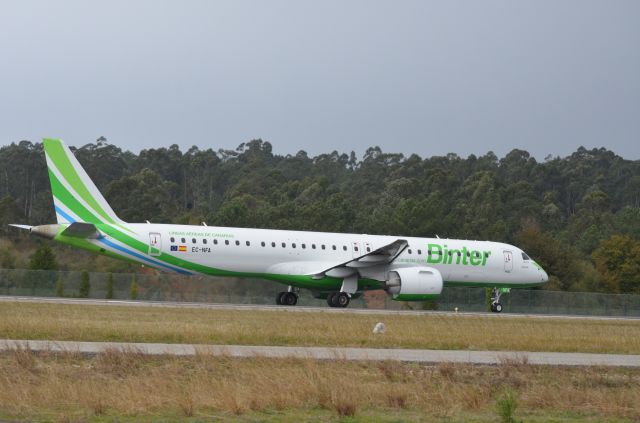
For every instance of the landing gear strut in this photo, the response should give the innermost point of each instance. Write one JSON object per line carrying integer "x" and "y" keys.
{"x": 496, "y": 293}
{"x": 338, "y": 299}
{"x": 288, "y": 298}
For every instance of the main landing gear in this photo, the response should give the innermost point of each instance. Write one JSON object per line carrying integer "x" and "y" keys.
{"x": 338, "y": 299}
{"x": 342, "y": 298}
{"x": 496, "y": 293}
{"x": 288, "y": 298}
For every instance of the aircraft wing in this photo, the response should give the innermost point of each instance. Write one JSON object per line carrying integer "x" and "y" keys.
{"x": 383, "y": 255}
{"x": 318, "y": 269}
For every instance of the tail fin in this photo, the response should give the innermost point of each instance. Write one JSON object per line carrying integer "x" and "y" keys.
{"x": 75, "y": 196}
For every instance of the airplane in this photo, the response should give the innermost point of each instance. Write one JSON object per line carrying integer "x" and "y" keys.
{"x": 333, "y": 266}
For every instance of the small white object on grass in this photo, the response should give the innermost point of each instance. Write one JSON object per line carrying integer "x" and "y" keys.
{"x": 379, "y": 328}
{"x": 456, "y": 309}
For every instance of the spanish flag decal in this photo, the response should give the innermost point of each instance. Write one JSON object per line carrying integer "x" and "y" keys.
{"x": 182, "y": 248}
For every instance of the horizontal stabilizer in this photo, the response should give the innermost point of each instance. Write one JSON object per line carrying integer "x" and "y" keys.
{"x": 25, "y": 227}
{"x": 82, "y": 230}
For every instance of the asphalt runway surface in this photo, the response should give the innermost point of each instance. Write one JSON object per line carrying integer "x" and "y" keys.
{"x": 295, "y": 309}
{"x": 331, "y": 353}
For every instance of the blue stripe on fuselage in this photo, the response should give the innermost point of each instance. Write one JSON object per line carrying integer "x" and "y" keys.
{"x": 141, "y": 257}
{"x": 126, "y": 250}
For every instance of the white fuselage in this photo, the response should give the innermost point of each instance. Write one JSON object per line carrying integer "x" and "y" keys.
{"x": 280, "y": 252}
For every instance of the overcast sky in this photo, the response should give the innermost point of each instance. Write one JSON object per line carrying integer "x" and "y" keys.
{"x": 425, "y": 77}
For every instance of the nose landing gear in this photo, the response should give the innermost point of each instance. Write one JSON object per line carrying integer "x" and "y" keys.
{"x": 496, "y": 293}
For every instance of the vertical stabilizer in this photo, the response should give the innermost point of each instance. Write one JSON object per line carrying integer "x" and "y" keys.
{"x": 75, "y": 196}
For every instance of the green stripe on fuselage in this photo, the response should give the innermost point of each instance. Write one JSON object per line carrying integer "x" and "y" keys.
{"x": 303, "y": 281}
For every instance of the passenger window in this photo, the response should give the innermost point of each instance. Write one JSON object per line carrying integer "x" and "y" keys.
{"x": 193, "y": 240}
{"x": 355, "y": 248}
{"x": 248, "y": 244}
{"x": 368, "y": 250}
{"x": 226, "y": 242}
{"x": 293, "y": 245}
{"x": 183, "y": 240}
{"x": 204, "y": 241}
{"x": 262, "y": 243}
{"x": 409, "y": 250}
{"x": 313, "y": 246}
{"x": 273, "y": 244}
{"x": 173, "y": 239}
{"x": 323, "y": 246}
{"x": 304, "y": 246}
{"x": 215, "y": 241}
{"x": 284, "y": 245}
{"x": 237, "y": 242}
{"x": 419, "y": 252}
{"x": 334, "y": 247}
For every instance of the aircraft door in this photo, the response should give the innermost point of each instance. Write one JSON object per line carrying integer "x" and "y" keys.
{"x": 155, "y": 244}
{"x": 355, "y": 249}
{"x": 508, "y": 261}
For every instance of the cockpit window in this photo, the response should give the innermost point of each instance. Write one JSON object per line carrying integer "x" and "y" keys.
{"x": 525, "y": 257}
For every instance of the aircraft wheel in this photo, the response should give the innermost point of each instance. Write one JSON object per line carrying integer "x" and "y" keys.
{"x": 496, "y": 307}
{"x": 330, "y": 298}
{"x": 341, "y": 299}
{"x": 289, "y": 299}
{"x": 279, "y": 298}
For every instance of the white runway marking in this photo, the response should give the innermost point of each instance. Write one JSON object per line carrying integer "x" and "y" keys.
{"x": 331, "y": 353}
{"x": 297, "y": 309}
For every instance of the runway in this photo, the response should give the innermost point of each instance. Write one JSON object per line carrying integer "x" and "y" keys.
{"x": 324, "y": 353}
{"x": 296, "y": 309}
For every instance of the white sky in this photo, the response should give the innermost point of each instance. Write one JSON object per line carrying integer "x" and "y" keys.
{"x": 409, "y": 76}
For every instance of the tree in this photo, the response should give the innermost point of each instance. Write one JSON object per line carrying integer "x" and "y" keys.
{"x": 7, "y": 259}
{"x": 43, "y": 258}
{"x": 85, "y": 285}
{"x": 617, "y": 259}
{"x": 109, "y": 295}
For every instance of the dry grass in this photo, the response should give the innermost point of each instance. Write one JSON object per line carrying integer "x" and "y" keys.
{"x": 201, "y": 326}
{"x": 119, "y": 385}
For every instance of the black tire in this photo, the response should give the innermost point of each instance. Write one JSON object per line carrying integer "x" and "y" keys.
{"x": 341, "y": 299}
{"x": 279, "y": 298}
{"x": 289, "y": 299}
{"x": 497, "y": 308}
{"x": 330, "y": 298}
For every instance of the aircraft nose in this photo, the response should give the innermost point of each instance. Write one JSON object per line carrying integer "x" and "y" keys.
{"x": 544, "y": 276}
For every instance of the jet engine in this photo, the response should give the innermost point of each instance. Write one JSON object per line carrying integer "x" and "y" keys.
{"x": 414, "y": 283}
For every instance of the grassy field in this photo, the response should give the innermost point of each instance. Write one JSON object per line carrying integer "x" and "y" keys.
{"x": 128, "y": 386}
{"x": 173, "y": 325}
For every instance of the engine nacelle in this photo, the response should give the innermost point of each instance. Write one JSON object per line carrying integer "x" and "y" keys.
{"x": 414, "y": 283}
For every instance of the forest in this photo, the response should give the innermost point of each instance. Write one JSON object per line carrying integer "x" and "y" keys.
{"x": 578, "y": 216}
